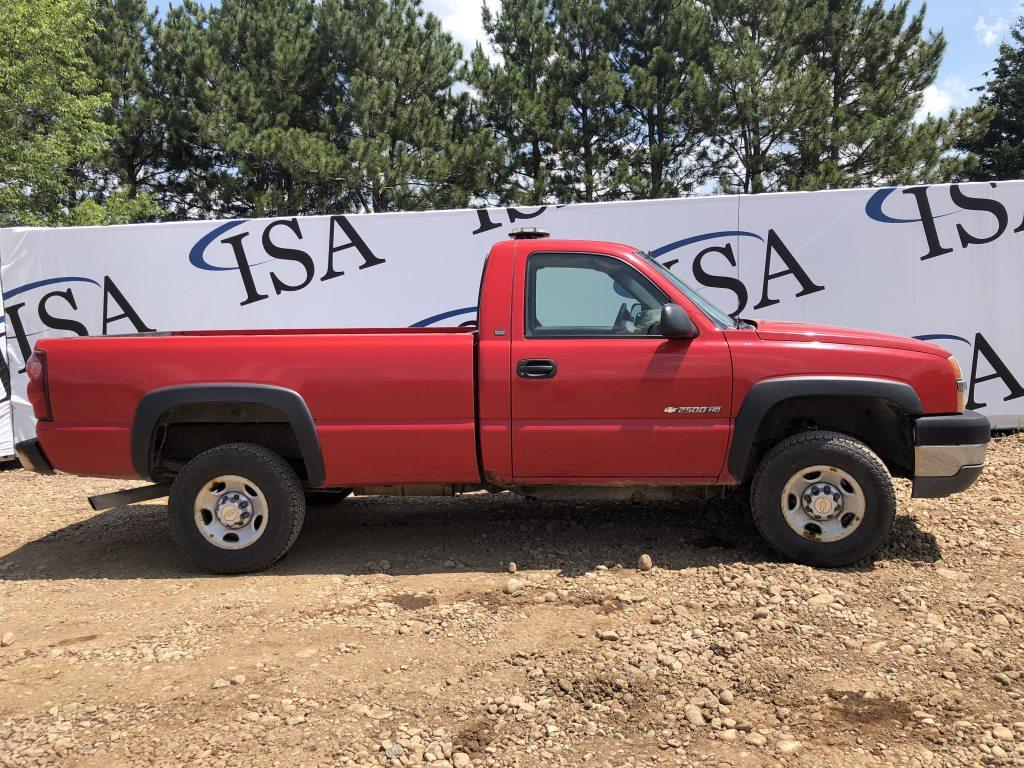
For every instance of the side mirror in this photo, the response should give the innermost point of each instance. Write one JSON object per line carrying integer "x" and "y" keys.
{"x": 676, "y": 324}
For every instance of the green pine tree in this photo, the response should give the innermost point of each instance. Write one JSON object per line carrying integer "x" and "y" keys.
{"x": 49, "y": 108}
{"x": 189, "y": 171}
{"x": 516, "y": 97}
{"x": 662, "y": 55}
{"x": 127, "y": 171}
{"x": 268, "y": 85}
{"x": 243, "y": 87}
{"x": 875, "y": 62}
{"x": 403, "y": 118}
{"x": 592, "y": 127}
{"x": 996, "y": 143}
{"x": 767, "y": 91}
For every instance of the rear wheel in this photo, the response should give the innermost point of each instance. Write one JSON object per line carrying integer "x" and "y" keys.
{"x": 236, "y": 508}
{"x": 824, "y": 499}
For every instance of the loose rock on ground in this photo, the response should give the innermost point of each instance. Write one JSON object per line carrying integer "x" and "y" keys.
{"x": 398, "y": 632}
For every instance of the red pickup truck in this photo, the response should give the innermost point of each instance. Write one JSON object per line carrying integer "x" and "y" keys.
{"x": 593, "y": 371}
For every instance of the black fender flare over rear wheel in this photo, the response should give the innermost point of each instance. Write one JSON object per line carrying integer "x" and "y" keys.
{"x": 824, "y": 499}
{"x": 236, "y": 508}
{"x": 155, "y": 404}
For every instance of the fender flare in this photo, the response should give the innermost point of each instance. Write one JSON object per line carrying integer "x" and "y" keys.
{"x": 763, "y": 395}
{"x": 155, "y": 404}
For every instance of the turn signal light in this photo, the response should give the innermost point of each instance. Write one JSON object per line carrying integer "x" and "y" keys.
{"x": 38, "y": 387}
{"x": 961, "y": 385}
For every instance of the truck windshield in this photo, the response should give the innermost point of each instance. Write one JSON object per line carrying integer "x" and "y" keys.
{"x": 717, "y": 316}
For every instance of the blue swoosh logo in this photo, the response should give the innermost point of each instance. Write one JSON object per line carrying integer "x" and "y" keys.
{"x": 941, "y": 337}
{"x": 701, "y": 238}
{"x": 443, "y": 316}
{"x": 873, "y": 209}
{"x": 195, "y": 256}
{"x": 48, "y": 281}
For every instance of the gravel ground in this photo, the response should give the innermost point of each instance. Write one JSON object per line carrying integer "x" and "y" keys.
{"x": 394, "y": 633}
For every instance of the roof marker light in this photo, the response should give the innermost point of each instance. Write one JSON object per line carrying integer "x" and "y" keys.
{"x": 528, "y": 233}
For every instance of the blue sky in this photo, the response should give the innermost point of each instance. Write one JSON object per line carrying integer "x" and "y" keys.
{"x": 973, "y": 28}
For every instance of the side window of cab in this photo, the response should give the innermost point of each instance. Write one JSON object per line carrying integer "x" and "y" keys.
{"x": 575, "y": 295}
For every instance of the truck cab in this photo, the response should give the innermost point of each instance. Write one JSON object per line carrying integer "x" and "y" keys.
{"x": 593, "y": 371}
{"x": 599, "y": 391}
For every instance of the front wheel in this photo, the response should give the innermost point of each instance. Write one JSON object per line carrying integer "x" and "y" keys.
{"x": 236, "y": 508}
{"x": 823, "y": 499}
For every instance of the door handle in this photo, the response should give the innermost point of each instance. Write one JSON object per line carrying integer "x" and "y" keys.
{"x": 533, "y": 368}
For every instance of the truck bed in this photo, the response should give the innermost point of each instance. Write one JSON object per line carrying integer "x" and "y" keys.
{"x": 389, "y": 405}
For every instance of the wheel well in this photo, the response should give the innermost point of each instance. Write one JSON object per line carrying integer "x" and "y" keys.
{"x": 185, "y": 431}
{"x": 878, "y": 423}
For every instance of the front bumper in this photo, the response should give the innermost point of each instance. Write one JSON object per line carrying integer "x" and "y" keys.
{"x": 949, "y": 453}
{"x": 32, "y": 458}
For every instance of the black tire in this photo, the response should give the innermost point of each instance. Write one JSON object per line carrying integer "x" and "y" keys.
{"x": 844, "y": 453}
{"x": 274, "y": 478}
{"x": 326, "y": 496}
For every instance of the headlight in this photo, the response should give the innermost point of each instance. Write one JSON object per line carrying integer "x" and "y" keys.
{"x": 961, "y": 385}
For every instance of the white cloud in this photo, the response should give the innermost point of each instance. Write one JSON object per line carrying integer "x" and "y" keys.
{"x": 961, "y": 94}
{"x": 937, "y": 100}
{"x": 936, "y": 103}
{"x": 461, "y": 18}
{"x": 991, "y": 32}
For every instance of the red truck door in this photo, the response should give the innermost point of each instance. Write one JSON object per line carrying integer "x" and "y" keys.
{"x": 594, "y": 395}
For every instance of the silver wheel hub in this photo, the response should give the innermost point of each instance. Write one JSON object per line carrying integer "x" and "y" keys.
{"x": 231, "y": 512}
{"x": 823, "y": 503}
{"x": 234, "y": 509}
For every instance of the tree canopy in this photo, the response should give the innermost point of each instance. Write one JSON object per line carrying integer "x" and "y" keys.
{"x": 111, "y": 112}
{"x": 50, "y": 113}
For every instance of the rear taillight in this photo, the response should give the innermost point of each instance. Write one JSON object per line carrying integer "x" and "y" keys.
{"x": 38, "y": 387}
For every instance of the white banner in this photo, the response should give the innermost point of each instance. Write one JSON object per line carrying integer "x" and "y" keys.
{"x": 939, "y": 262}
{"x": 6, "y": 429}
